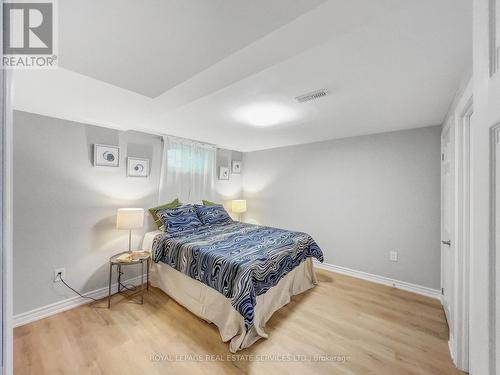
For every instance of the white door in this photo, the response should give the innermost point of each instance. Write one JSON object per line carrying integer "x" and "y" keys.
{"x": 447, "y": 222}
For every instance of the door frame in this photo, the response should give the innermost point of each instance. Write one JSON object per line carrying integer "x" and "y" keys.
{"x": 494, "y": 260}
{"x": 459, "y": 124}
{"x": 463, "y": 233}
{"x": 6, "y": 289}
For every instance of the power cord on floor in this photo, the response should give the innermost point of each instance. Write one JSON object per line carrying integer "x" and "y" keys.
{"x": 129, "y": 287}
{"x": 74, "y": 290}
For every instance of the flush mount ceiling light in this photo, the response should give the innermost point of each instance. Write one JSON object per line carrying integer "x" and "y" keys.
{"x": 264, "y": 114}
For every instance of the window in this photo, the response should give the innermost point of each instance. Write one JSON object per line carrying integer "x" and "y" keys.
{"x": 188, "y": 171}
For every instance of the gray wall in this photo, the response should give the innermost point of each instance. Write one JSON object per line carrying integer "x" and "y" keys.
{"x": 226, "y": 190}
{"x": 359, "y": 198}
{"x": 65, "y": 209}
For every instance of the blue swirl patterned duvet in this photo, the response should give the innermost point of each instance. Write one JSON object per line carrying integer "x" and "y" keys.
{"x": 239, "y": 260}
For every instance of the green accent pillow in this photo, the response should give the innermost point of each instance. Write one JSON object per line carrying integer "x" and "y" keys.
{"x": 208, "y": 203}
{"x": 175, "y": 203}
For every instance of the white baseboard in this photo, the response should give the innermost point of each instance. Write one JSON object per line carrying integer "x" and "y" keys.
{"x": 419, "y": 289}
{"x": 451, "y": 348}
{"x": 69, "y": 303}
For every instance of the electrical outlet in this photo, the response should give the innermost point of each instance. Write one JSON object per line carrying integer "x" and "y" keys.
{"x": 57, "y": 272}
{"x": 393, "y": 256}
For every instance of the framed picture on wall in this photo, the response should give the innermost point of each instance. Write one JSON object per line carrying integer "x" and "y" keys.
{"x": 137, "y": 167}
{"x": 223, "y": 173}
{"x": 106, "y": 156}
{"x": 236, "y": 167}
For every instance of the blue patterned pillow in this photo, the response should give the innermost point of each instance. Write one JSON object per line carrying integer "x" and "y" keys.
{"x": 213, "y": 214}
{"x": 179, "y": 219}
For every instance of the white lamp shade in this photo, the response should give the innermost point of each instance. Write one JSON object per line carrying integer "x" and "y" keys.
{"x": 130, "y": 218}
{"x": 239, "y": 206}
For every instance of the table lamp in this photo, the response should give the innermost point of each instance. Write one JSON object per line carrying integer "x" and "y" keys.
{"x": 130, "y": 218}
{"x": 239, "y": 206}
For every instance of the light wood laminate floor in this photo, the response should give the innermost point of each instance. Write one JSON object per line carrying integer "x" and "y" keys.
{"x": 381, "y": 330}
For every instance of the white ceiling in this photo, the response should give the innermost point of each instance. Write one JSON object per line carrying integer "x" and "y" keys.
{"x": 388, "y": 65}
{"x": 151, "y": 46}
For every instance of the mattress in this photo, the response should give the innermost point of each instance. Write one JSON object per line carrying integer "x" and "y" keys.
{"x": 239, "y": 260}
{"x": 212, "y": 306}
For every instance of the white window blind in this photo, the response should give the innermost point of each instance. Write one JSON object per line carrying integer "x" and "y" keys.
{"x": 188, "y": 171}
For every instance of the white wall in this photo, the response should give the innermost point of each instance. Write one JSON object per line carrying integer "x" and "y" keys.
{"x": 359, "y": 198}
{"x": 486, "y": 114}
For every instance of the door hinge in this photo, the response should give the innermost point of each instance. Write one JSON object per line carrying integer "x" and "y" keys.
{"x": 442, "y": 157}
{"x": 442, "y": 291}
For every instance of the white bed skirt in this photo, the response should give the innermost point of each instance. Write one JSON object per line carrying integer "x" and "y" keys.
{"x": 210, "y": 305}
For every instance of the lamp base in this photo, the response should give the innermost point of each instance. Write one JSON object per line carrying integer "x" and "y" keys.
{"x": 130, "y": 240}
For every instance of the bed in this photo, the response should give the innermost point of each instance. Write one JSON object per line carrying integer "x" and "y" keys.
{"x": 234, "y": 275}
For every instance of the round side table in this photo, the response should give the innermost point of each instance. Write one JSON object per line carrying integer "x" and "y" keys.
{"x": 137, "y": 258}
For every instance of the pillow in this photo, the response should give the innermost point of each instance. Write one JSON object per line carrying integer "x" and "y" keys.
{"x": 215, "y": 214}
{"x": 179, "y": 219}
{"x": 154, "y": 211}
{"x": 208, "y": 203}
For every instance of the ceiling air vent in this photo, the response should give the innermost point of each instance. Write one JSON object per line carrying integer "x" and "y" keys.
{"x": 312, "y": 96}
